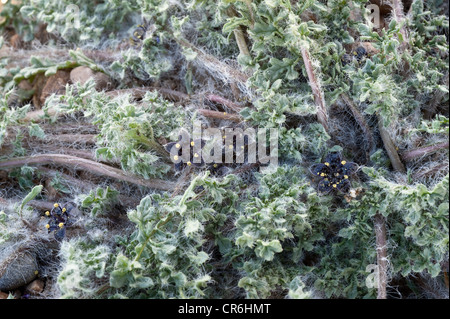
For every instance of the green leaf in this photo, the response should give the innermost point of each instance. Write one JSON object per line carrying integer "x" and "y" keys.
{"x": 36, "y": 130}
{"x": 31, "y": 195}
{"x": 266, "y": 250}
{"x": 141, "y": 282}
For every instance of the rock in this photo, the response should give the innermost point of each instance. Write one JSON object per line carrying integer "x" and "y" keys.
{"x": 25, "y": 85}
{"x": 17, "y": 269}
{"x": 35, "y": 287}
{"x": 16, "y": 42}
{"x": 38, "y": 86}
{"x": 82, "y": 73}
{"x": 102, "y": 81}
{"x": 3, "y": 295}
{"x": 55, "y": 84}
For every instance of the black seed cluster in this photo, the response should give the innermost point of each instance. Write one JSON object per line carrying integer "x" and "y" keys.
{"x": 334, "y": 173}
{"x": 176, "y": 150}
{"x": 140, "y": 33}
{"x": 360, "y": 54}
{"x": 59, "y": 217}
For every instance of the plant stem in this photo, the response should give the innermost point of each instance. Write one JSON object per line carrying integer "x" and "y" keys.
{"x": 239, "y": 34}
{"x": 322, "y": 114}
{"x": 221, "y": 100}
{"x": 390, "y": 148}
{"x": 88, "y": 165}
{"x": 380, "y": 233}
{"x": 413, "y": 154}
{"x": 220, "y": 115}
{"x": 379, "y": 220}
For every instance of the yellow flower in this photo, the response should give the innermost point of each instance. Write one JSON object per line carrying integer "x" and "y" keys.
{"x": 189, "y": 163}
{"x": 47, "y": 226}
{"x": 175, "y": 157}
{"x": 47, "y": 213}
{"x": 343, "y": 162}
{"x": 177, "y": 145}
{"x": 334, "y": 185}
{"x": 55, "y": 205}
{"x": 192, "y": 143}
{"x": 323, "y": 174}
{"x": 64, "y": 210}
{"x": 327, "y": 164}
{"x": 345, "y": 176}
{"x": 61, "y": 225}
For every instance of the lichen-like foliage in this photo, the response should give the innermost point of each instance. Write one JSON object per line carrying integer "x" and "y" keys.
{"x": 362, "y": 118}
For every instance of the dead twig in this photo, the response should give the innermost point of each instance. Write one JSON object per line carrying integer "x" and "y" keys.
{"x": 88, "y": 165}
{"x": 390, "y": 148}
{"x": 221, "y": 100}
{"x": 220, "y": 115}
{"x": 413, "y": 154}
